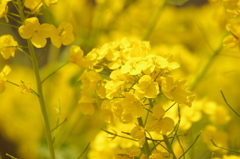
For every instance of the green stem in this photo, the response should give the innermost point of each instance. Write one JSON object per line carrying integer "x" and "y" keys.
{"x": 204, "y": 70}
{"x": 225, "y": 100}
{"x": 154, "y": 21}
{"x": 41, "y": 99}
{"x": 34, "y": 61}
{"x": 54, "y": 72}
{"x": 146, "y": 148}
{"x": 169, "y": 146}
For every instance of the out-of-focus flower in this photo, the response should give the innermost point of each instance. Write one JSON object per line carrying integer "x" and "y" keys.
{"x": 48, "y": 2}
{"x": 176, "y": 91}
{"x": 86, "y": 104}
{"x": 219, "y": 137}
{"x": 36, "y": 5}
{"x": 233, "y": 39}
{"x": 36, "y": 31}
{"x": 25, "y": 88}
{"x": 76, "y": 56}
{"x": 63, "y": 35}
{"x": 162, "y": 126}
{"x": 232, "y": 7}
{"x": 8, "y": 46}
{"x": 138, "y": 132}
{"x": 132, "y": 103}
{"x": 4, "y": 9}
{"x": 3, "y": 77}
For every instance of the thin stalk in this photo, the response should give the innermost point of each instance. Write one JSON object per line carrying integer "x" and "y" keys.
{"x": 9, "y": 25}
{"x": 154, "y": 21}
{"x": 34, "y": 61}
{"x": 205, "y": 68}
{"x": 145, "y": 146}
{"x": 169, "y": 146}
{"x": 225, "y": 100}
{"x": 236, "y": 151}
{"x": 54, "y": 72}
{"x": 41, "y": 99}
{"x": 84, "y": 150}
{"x": 33, "y": 92}
{"x": 190, "y": 145}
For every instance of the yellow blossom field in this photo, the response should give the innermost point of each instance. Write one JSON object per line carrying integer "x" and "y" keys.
{"x": 119, "y": 79}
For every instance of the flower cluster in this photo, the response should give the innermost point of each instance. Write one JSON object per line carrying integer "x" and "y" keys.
{"x": 233, "y": 9}
{"x": 124, "y": 78}
{"x": 38, "y": 33}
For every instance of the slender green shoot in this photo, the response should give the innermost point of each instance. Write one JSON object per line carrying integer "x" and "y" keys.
{"x": 225, "y": 100}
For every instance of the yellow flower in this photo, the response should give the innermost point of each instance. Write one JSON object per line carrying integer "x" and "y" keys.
{"x": 33, "y": 5}
{"x": 86, "y": 104}
{"x": 132, "y": 67}
{"x": 147, "y": 87}
{"x": 76, "y": 57}
{"x": 36, "y": 5}
{"x": 8, "y": 46}
{"x": 162, "y": 126}
{"x": 90, "y": 80}
{"x": 48, "y": 2}
{"x": 25, "y": 88}
{"x": 106, "y": 108}
{"x": 233, "y": 39}
{"x": 138, "y": 132}
{"x": 113, "y": 88}
{"x": 36, "y": 31}
{"x": 62, "y": 35}
{"x": 4, "y": 9}
{"x": 3, "y": 77}
{"x": 176, "y": 91}
{"x": 232, "y": 7}
{"x": 158, "y": 111}
{"x": 133, "y": 104}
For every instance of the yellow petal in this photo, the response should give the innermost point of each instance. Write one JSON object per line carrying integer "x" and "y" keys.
{"x": 158, "y": 111}
{"x": 45, "y": 30}
{"x": 38, "y": 41}
{"x": 25, "y": 32}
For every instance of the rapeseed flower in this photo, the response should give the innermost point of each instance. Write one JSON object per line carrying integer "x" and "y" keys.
{"x": 48, "y": 2}
{"x": 3, "y": 77}
{"x": 138, "y": 132}
{"x": 163, "y": 125}
{"x": 63, "y": 35}
{"x": 132, "y": 103}
{"x": 76, "y": 56}
{"x": 36, "y": 5}
{"x": 86, "y": 103}
{"x": 35, "y": 31}
{"x": 4, "y": 9}
{"x": 90, "y": 80}
{"x": 176, "y": 90}
{"x": 147, "y": 87}
{"x": 232, "y": 40}
{"x": 8, "y": 46}
{"x": 25, "y": 88}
